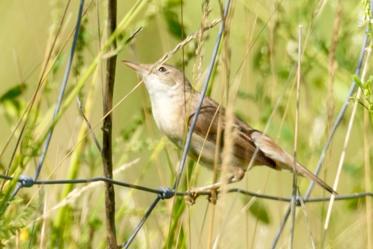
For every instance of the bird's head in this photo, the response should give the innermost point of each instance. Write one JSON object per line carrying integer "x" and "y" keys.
{"x": 161, "y": 78}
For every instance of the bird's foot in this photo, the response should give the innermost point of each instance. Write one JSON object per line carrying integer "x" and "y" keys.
{"x": 210, "y": 191}
{"x": 190, "y": 198}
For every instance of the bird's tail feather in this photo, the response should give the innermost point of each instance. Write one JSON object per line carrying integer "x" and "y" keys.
{"x": 306, "y": 173}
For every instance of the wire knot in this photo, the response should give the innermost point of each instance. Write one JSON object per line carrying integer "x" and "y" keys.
{"x": 166, "y": 193}
{"x": 26, "y": 181}
{"x": 298, "y": 200}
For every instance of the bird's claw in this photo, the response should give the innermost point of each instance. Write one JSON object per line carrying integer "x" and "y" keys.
{"x": 191, "y": 197}
{"x": 212, "y": 195}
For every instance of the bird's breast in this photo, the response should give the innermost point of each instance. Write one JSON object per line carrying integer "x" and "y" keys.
{"x": 168, "y": 115}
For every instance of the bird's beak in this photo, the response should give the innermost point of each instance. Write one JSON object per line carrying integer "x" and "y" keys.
{"x": 139, "y": 68}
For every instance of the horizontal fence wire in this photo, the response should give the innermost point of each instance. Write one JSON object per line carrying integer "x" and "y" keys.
{"x": 167, "y": 193}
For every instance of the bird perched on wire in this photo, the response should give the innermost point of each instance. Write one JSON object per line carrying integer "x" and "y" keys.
{"x": 174, "y": 102}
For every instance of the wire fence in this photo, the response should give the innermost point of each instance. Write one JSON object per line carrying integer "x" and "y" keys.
{"x": 165, "y": 193}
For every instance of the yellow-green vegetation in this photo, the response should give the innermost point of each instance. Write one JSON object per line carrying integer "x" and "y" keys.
{"x": 255, "y": 74}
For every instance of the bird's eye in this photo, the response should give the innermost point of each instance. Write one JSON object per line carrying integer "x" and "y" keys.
{"x": 162, "y": 69}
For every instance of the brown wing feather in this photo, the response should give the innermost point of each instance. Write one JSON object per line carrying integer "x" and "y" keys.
{"x": 207, "y": 126}
{"x": 246, "y": 152}
{"x": 247, "y": 142}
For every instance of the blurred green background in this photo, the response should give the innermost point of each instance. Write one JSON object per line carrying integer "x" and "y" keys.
{"x": 262, "y": 37}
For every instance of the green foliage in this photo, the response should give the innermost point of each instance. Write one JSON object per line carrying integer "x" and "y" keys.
{"x": 176, "y": 231}
{"x": 14, "y": 221}
{"x": 353, "y": 170}
{"x": 13, "y": 93}
{"x": 174, "y": 25}
{"x": 259, "y": 210}
{"x": 173, "y": 20}
{"x": 82, "y": 44}
{"x": 129, "y": 130}
{"x": 176, "y": 234}
{"x": 367, "y": 90}
{"x": 356, "y": 204}
{"x": 11, "y": 101}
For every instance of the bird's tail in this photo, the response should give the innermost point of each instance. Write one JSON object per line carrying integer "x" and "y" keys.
{"x": 306, "y": 173}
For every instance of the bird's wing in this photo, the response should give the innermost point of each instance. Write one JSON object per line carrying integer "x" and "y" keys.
{"x": 211, "y": 126}
{"x": 270, "y": 149}
{"x": 248, "y": 142}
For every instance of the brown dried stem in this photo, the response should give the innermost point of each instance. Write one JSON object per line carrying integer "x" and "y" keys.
{"x": 108, "y": 87}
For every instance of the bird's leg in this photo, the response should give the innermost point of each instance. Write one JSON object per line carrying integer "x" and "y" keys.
{"x": 236, "y": 175}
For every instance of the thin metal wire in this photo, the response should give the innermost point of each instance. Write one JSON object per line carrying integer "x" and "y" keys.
{"x": 62, "y": 89}
{"x": 60, "y": 97}
{"x": 167, "y": 193}
{"x": 202, "y": 96}
{"x": 294, "y": 198}
{"x": 141, "y": 223}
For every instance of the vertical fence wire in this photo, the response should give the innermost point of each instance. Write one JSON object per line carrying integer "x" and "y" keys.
{"x": 59, "y": 99}
{"x": 333, "y": 130}
{"x": 202, "y": 96}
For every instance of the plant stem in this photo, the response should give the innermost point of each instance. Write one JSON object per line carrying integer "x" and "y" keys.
{"x": 108, "y": 88}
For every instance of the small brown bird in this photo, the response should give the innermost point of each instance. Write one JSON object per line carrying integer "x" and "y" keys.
{"x": 174, "y": 102}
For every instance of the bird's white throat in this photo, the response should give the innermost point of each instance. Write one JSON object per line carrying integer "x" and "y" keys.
{"x": 167, "y": 107}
